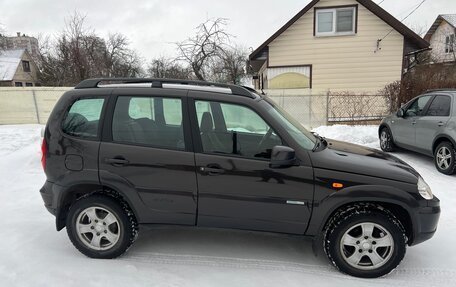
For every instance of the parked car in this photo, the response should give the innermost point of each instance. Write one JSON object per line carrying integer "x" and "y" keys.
{"x": 427, "y": 125}
{"x": 143, "y": 151}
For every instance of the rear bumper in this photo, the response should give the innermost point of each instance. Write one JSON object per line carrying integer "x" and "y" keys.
{"x": 48, "y": 197}
{"x": 427, "y": 219}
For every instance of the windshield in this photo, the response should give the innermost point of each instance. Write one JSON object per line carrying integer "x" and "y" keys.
{"x": 300, "y": 134}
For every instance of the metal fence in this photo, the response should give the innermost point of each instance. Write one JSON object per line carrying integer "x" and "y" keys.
{"x": 312, "y": 108}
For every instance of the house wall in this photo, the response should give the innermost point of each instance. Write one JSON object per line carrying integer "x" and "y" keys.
{"x": 26, "y": 77}
{"x": 342, "y": 63}
{"x": 438, "y": 43}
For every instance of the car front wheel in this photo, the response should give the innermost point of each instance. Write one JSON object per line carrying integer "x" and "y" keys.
{"x": 444, "y": 158}
{"x": 365, "y": 241}
{"x": 386, "y": 140}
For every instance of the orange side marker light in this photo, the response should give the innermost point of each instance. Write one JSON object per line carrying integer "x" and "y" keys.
{"x": 337, "y": 185}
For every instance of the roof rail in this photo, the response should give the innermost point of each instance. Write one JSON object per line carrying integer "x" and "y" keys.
{"x": 441, "y": 90}
{"x": 158, "y": 83}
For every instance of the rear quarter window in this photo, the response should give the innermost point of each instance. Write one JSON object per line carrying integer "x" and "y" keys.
{"x": 83, "y": 118}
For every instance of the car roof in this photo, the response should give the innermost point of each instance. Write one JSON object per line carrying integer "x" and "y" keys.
{"x": 236, "y": 90}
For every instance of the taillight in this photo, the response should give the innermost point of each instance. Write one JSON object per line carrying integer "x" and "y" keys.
{"x": 43, "y": 154}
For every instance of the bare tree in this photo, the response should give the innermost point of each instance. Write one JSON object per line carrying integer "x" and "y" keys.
{"x": 231, "y": 65}
{"x": 79, "y": 53}
{"x": 163, "y": 67}
{"x": 205, "y": 47}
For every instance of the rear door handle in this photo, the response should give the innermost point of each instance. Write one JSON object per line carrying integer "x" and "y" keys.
{"x": 441, "y": 124}
{"x": 212, "y": 170}
{"x": 117, "y": 161}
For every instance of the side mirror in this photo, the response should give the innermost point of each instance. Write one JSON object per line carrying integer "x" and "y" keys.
{"x": 400, "y": 113}
{"x": 282, "y": 157}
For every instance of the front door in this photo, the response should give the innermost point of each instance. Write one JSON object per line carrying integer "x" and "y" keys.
{"x": 404, "y": 129}
{"x": 236, "y": 186}
{"x": 148, "y": 155}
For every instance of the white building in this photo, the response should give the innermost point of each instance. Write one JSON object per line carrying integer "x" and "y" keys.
{"x": 441, "y": 36}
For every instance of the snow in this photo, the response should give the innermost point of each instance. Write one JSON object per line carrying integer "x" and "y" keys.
{"x": 9, "y": 60}
{"x": 32, "y": 253}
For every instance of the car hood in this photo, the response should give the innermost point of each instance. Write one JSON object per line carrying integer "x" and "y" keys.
{"x": 347, "y": 157}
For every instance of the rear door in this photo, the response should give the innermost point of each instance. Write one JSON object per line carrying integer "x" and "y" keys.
{"x": 404, "y": 129}
{"x": 433, "y": 122}
{"x": 237, "y": 188}
{"x": 147, "y": 154}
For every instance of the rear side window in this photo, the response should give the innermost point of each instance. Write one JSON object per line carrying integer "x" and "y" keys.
{"x": 83, "y": 118}
{"x": 440, "y": 107}
{"x": 150, "y": 121}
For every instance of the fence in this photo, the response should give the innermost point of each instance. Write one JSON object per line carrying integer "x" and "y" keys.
{"x": 28, "y": 105}
{"x": 311, "y": 108}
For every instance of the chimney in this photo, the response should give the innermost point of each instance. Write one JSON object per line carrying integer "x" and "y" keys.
{"x": 18, "y": 34}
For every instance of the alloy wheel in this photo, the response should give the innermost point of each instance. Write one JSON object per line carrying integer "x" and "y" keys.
{"x": 98, "y": 228}
{"x": 367, "y": 246}
{"x": 444, "y": 158}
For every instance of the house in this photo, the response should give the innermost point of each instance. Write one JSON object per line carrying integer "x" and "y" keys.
{"x": 20, "y": 42}
{"x": 17, "y": 68}
{"x": 441, "y": 36}
{"x": 336, "y": 45}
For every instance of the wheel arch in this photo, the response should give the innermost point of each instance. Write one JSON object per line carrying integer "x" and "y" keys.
{"x": 442, "y": 138}
{"x": 71, "y": 194}
{"x": 399, "y": 210}
{"x": 381, "y": 127}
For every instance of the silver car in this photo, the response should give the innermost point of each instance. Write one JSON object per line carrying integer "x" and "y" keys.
{"x": 426, "y": 124}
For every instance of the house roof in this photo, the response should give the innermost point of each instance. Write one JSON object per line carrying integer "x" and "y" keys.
{"x": 449, "y": 18}
{"x": 371, "y": 6}
{"x": 9, "y": 61}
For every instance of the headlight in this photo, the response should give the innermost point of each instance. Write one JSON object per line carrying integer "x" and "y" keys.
{"x": 424, "y": 189}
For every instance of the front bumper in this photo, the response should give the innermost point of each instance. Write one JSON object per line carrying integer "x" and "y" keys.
{"x": 426, "y": 222}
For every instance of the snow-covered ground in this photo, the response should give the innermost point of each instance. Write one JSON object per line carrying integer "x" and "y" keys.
{"x": 32, "y": 253}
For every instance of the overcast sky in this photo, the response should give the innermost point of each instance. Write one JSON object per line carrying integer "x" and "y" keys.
{"x": 152, "y": 26}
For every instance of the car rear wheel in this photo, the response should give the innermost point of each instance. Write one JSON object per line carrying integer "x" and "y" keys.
{"x": 99, "y": 226}
{"x": 365, "y": 241}
{"x": 444, "y": 158}
{"x": 386, "y": 140}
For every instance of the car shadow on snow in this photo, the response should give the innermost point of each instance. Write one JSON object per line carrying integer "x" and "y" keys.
{"x": 202, "y": 246}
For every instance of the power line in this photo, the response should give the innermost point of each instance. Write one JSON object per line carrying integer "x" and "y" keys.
{"x": 380, "y": 2}
{"x": 413, "y": 11}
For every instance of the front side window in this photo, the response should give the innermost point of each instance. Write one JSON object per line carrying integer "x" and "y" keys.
{"x": 450, "y": 43}
{"x": 83, "y": 118}
{"x": 234, "y": 130}
{"x": 440, "y": 107}
{"x": 335, "y": 21}
{"x": 417, "y": 107}
{"x": 149, "y": 121}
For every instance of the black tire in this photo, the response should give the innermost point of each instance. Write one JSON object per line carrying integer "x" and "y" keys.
{"x": 125, "y": 226}
{"x": 387, "y": 145}
{"x": 448, "y": 148}
{"x": 348, "y": 219}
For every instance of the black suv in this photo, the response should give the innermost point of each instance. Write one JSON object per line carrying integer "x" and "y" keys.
{"x": 120, "y": 153}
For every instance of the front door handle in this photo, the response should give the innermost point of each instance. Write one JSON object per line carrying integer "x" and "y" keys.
{"x": 117, "y": 161}
{"x": 212, "y": 170}
{"x": 414, "y": 123}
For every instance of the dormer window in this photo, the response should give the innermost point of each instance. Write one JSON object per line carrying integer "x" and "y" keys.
{"x": 26, "y": 66}
{"x": 335, "y": 21}
{"x": 450, "y": 44}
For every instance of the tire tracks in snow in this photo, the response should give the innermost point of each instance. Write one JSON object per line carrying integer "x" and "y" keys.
{"x": 400, "y": 277}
